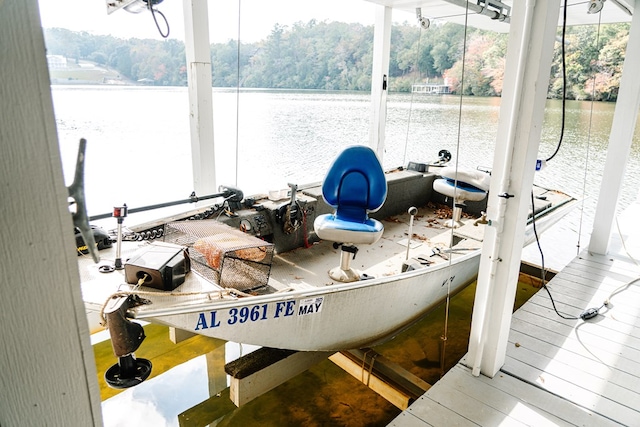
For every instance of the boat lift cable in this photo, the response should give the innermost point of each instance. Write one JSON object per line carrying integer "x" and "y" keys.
{"x": 238, "y": 94}
{"x": 564, "y": 82}
{"x": 586, "y": 160}
{"x": 406, "y": 141}
{"x": 448, "y": 300}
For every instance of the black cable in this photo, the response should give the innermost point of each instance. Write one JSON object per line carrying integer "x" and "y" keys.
{"x": 564, "y": 82}
{"x": 153, "y": 13}
{"x": 585, "y": 315}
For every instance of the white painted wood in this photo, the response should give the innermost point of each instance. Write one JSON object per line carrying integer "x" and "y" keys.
{"x": 380, "y": 74}
{"x": 407, "y": 419}
{"x": 572, "y": 355}
{"x": 435, "y": 414}
{"x": 196, "y": 17}
{"x": 513, "y": 410}
{"x": 594, "y": 338}
{"x": 531, "y": 396}
{"x": 620, "y": 140}
{"x": 531, "y": 40}
{"x": 584, "y": 393}
{"x": 451, "y": 392}
{"x": 47, "y": 370}
{"x": 590, "y": 347}
{"x": 243, "y": 391}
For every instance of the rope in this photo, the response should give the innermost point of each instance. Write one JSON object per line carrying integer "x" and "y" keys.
{"x": 211, "y": 295}
{"x": 406, "y": 141}
{"x": 444, "y": 338}
{"x": 586, "y": 160}
{"x": 238, "y": 94}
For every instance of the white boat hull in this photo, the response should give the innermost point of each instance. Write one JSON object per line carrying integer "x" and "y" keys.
{"x": 342, "y": 317}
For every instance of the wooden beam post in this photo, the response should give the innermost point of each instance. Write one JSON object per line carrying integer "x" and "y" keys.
{"x": 528, "y": 60}
{"x": 198, "y": 51}
{"x": 47, "y": 369}
{"x": 620, "y": 140}
{"x": 380, "y": 79}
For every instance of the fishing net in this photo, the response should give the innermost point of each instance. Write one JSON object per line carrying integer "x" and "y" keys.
{"x": 223, "y": 255}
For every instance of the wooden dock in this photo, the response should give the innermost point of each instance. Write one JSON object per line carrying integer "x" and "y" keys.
{"x": 557, "y": 371}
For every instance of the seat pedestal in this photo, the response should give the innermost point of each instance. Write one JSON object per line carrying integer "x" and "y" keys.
{"x": 344, "y": 273}
{"x": 455, "y": 220}
{"x": 461, "y": 185}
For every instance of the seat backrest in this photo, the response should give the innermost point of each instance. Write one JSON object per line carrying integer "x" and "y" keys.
{"x": 466, "y": 177}
{"x": 355, "y": 184}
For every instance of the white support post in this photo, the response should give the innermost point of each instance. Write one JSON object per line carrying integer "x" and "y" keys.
{"x": 196, "y": 24}
{"x": 380, "y": 79}
{"x": 528, "y": 61}
{"x": 47, "y": 369}
{"x": 620, "y": 140}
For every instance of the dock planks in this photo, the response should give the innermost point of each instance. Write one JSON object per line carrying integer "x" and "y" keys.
{"x": 557, "y": 371}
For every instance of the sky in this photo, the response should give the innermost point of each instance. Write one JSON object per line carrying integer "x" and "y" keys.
{"x": 257, "y": 17}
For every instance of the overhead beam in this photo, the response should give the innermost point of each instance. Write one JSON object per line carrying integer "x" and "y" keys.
{"x": 483, "y": 10}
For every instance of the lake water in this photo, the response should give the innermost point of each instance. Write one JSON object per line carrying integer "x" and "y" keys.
{"x": 139, "y": 146}
{"x": 139, "y": 153}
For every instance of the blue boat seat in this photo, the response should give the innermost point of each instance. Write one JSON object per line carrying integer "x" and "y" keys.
{"x": 461, "y": 184}
{"x": 355, "y": 185}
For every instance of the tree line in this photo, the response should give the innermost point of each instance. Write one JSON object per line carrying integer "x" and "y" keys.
{"x": 338, "y": 56}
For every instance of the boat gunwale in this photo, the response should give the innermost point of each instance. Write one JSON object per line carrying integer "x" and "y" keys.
{"x": 145, "y": 312}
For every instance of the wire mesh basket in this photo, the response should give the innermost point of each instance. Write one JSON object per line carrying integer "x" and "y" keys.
{"x": 222, "y": 254}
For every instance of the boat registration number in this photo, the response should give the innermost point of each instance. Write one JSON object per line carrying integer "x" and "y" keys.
{"x": 256, "y": 313}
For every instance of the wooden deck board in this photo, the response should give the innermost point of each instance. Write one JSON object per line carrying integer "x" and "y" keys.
{"x": 600, "y": 342}
{"x": 629, "y": 310}
{"x": 557, "y": 371}
{"x": 547, "y": 342}
{"x": 509, "y": 408}
{"x": 561, "y": 388}
{"x": 534, "y": 397}
{"x": 574, "y": 371}
{"x": 601, "y": 324}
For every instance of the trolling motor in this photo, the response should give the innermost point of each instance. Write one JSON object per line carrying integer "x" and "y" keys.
{"x": 290, "y": 214}
{"x": 233, "y": 196}
{"x": 126, "y": 337}
{"x": 444, "y": 156}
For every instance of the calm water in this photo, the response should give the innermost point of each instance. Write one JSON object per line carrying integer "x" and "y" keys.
{"x": 139, "y": 154}
{"x": 139, "y": 144}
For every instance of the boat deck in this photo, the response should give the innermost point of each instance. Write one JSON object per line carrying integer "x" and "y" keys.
{"x": 310, "y": 266}
{"x": 557, "y": 371}
{"x": 304, "y": 268}
{"x": 307, "y": 267}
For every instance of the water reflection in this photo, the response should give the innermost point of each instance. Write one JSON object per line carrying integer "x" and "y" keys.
{"x": 139, "y": 145}
{"x": 194, "y": 393}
